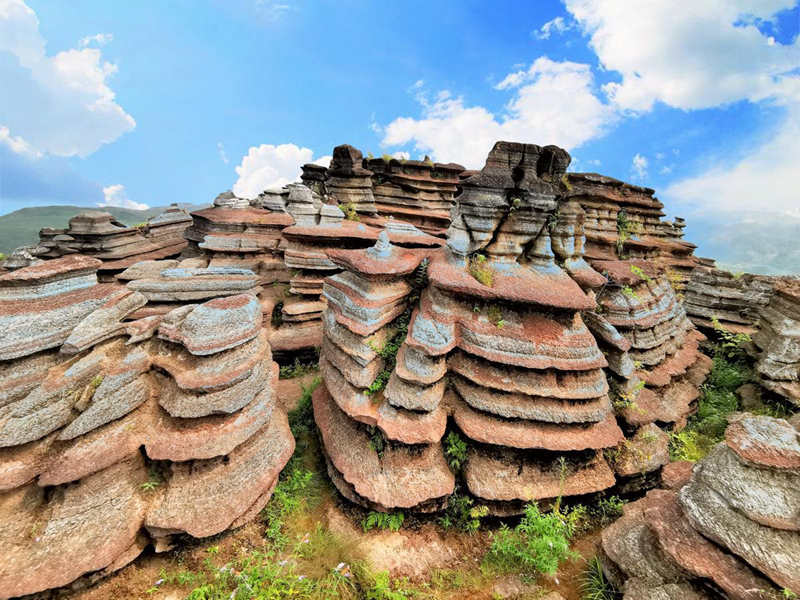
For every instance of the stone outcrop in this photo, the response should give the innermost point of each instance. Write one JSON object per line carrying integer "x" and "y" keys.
{"x": 496, "y": 342}
{"x": 98, "y": 234}
{"x": 624, "y": 221}
{"x": 777, "y": 342}
{"x": 419, "y": 192}
{"x": 733, "y": 526}
{"x": 735, "y": 301}
{"x": 116, "y": 433}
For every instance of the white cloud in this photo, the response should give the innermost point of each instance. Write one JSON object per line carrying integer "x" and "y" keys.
{"x": 101, "y": 39}
{"x": 267, "y": 166}
{"x": 221, "y": 151}
{"x": 323, "y": 161}
{"x": 17, "y": 144}
{"x": 551, "y": 103}
{"x": 698, "y": 56}
{"x": 763, "y": 179}
{"x": 639, "y": 165}
{"x": 61, "y": 104}
{"x": 115, "y": 195}
{"x": 558, "y": 25}
{"x": 665, "y": 170}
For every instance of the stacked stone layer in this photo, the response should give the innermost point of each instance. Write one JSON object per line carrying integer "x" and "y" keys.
{"x": 732, "y": 524}
{"x": 98, "y": 234}
{"x": 116, "y": 433}
{"x": 655, "y": 363}
{"x": 418, "y": 192}
{"x": 625, "y": 220}
{"x": 777, "y": 342}
{"x": 509, "y": 360}
{"x": 735, "y": 301}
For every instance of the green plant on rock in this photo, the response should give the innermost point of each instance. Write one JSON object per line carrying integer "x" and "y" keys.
{"x": 629, "y": 293}
{"x": 153, "y": 481}
{"x": 565, "y": 182}
{"x": 639, "y": 272}
{"x": 387, "y": 158}
{"x": 462, "y": 514}
{"x": 389, "y": 352}
{"x": 455, "y": 449}
{"x": 538, "y": 544}
{"x": 377, "y": 442}
{"x": 732, "y": 345}
{"x": 392, "y": 521}
{"x": 480, "y": 270}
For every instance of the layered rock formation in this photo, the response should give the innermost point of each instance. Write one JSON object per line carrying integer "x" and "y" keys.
{"x": 98, "y": 234}
{"x": 655, "y": 363}
{"x": 735, "y": 301}
{"x": 496, "y": 340}
{"x": 624, "y": 221}
{"x": 119, "y": 433}
{"x": 777, "y": 342}
{"x": 733, "y": 526}
{"x": 417, "y": 192}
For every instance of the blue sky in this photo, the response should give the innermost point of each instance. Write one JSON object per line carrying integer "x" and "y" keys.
{"x": 158, "y": 102}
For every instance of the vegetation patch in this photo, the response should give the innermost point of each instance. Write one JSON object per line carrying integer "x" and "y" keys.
{"x": 480, "y": 270}
{"x": 718, "y": 399}
{"x": 392, "y": 521}
{"x": 349, "y": 210}
{"x": 538, "y": 544}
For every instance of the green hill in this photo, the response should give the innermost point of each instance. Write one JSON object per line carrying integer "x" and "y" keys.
{"x": 22, "y": 226}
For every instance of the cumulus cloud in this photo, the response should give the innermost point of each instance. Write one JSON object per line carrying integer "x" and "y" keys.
{"x": 701, "y": 57}
{"x": 101, "y": 39}
{"x": 557, "y": 25}
{"x": 639, "y": 165}
{"x": 267, "y": 166}
{"x": 62, "y": 104}
{"x": 551, "y": 102}
{"x": 115, "y": 195}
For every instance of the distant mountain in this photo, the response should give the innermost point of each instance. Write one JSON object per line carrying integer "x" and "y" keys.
{"x": 22, "y": 226}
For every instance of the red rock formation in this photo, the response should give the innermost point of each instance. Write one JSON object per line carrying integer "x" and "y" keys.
{"x": 109, "y": 446}
{"x": 98, "y": 234}
{"x": 624, "y": 221}
{"x": 732, "y": 519}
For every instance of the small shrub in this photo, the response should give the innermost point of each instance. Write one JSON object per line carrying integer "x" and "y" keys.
{"x": 387, "y": 158}
{"x": 479, "y": 269}
{"x": 731, "y": 344}
{"x": 378, "y": 520}
{"x": 349, "y": 211}
{"x": 297, "y": 369}
{"x": 608, "y": 509}
{"x": 629, "y": 293}
{"x": 389, "y": 353}
{"x": 455, "y": 449}
{"x": 595, "y": 585}
{"x": 462, "y": 514}
{"x": 565, "y": 182}
{"x": 538, "y": 544}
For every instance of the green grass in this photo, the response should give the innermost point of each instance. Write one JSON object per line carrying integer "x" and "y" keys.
{"x": 455, "y": 450}
{"x": 480, "y": 270}
{"x": 595, "y": 585}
